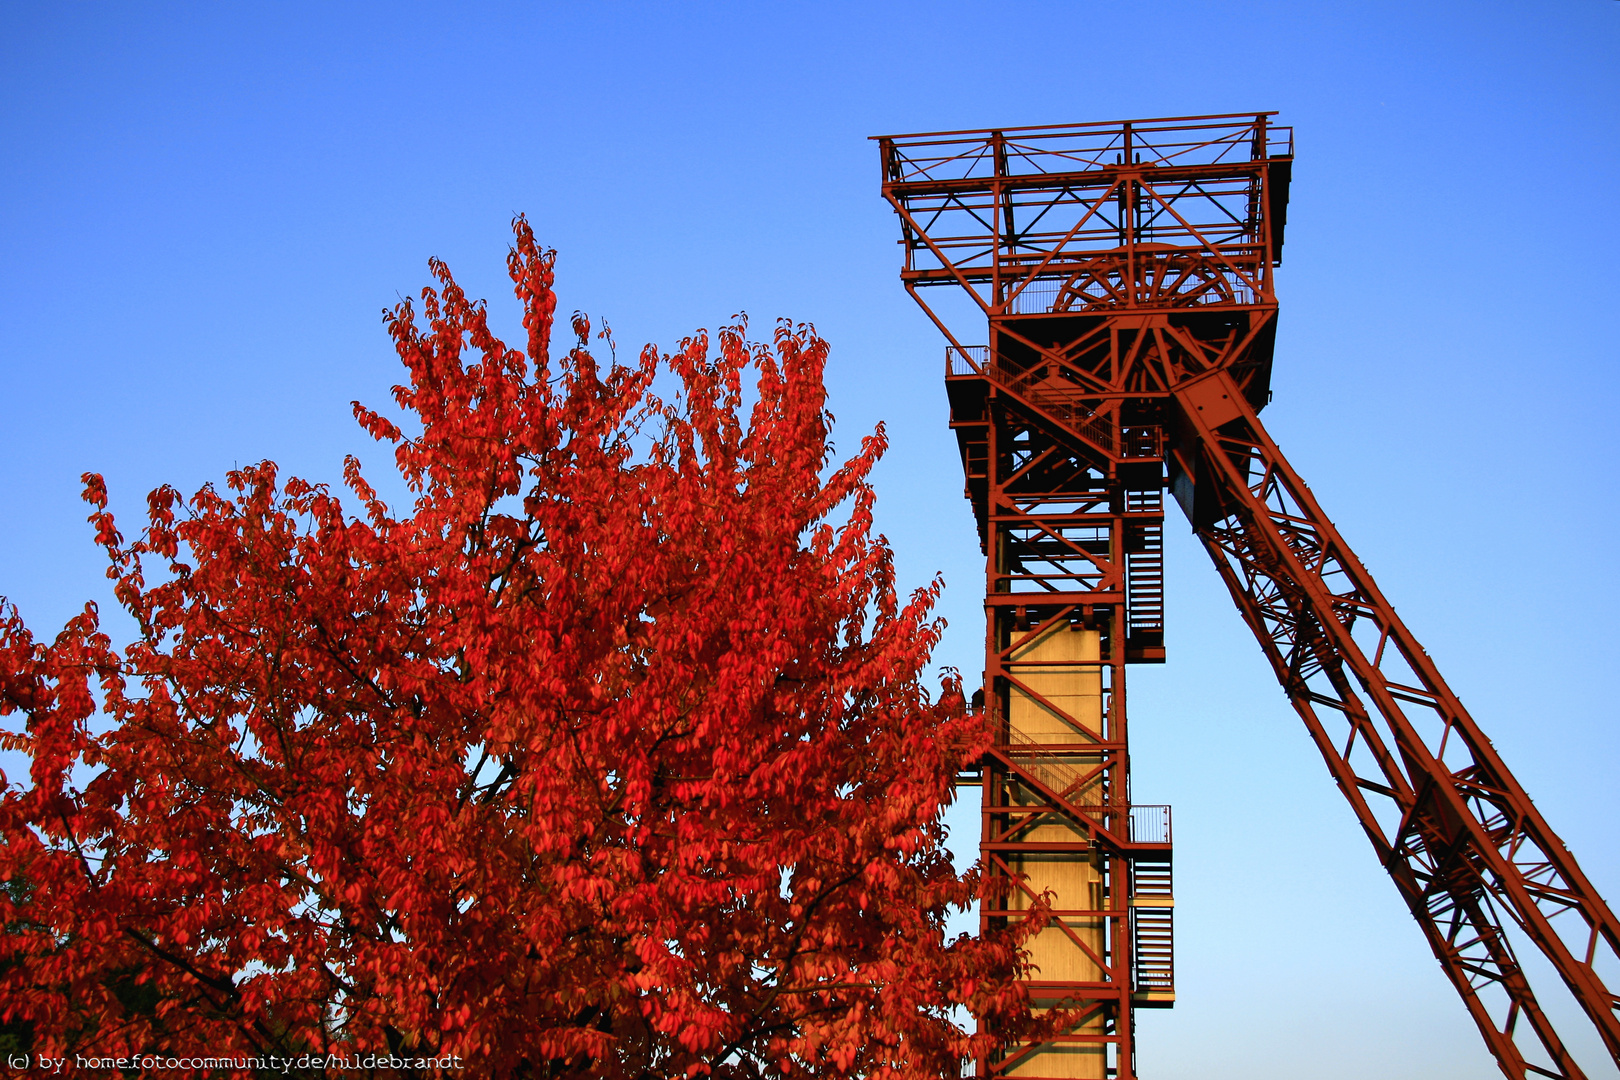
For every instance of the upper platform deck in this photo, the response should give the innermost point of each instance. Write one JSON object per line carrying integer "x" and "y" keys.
{"x": 1181, "y": 212}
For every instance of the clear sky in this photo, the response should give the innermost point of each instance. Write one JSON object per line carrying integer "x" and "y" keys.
{"x": 204, "y": 208}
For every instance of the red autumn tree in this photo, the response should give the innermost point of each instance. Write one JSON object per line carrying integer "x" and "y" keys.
{"x": 611, "y": 757}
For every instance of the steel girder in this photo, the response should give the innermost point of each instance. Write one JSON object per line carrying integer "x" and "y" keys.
{"x": 1456, "y": 831}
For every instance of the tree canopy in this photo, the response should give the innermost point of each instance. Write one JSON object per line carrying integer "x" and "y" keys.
{"x": 610, "y": 756}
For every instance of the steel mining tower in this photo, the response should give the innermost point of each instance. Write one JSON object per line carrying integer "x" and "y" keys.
{"x": 1125, "y": 274}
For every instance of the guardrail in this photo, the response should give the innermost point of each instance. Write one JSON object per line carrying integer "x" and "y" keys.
{"x": 1138, "y": 441}
{"x": 1144, "y": 823}
{"x": 1234, "y": 139}
{"x": 966, "y": 359}
{"x": 1150, "y": 823}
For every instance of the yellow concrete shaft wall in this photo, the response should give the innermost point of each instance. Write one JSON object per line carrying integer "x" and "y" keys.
{"x": 1063, "y": 704}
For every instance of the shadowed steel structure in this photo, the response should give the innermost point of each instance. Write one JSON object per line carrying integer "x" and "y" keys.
{"x": 1124, "y": 271}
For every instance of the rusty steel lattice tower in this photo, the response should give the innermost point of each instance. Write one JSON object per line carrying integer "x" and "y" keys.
{"x": 1125, "y": 274}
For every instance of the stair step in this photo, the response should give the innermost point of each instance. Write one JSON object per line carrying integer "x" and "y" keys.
{"x": 1153, "y": 932}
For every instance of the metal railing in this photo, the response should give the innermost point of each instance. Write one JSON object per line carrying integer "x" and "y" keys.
{"x": 1150, "y": 824}
{"x": 1065, "y": 148}
{"x": 966, "y": 359}
{"x": 1141, "y": 441}
{"x": 1066, "y": 406}
{"x": 1144, "y": 823}
{"x": 1105, "y": 294}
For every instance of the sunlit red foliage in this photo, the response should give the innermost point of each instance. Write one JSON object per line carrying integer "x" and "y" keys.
{"x": 610, "y": 757}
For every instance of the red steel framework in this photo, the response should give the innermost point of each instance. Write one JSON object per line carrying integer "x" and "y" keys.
{"x": 1125, "y": 273}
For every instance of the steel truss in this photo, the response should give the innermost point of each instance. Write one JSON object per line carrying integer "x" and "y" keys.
{"x": 1124, "y": 271}
{"x": 1073, "y": 560}
{"x": 1459, "y": 836}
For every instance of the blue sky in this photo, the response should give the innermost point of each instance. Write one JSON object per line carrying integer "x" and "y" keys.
{"x": 204, "y": 208}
